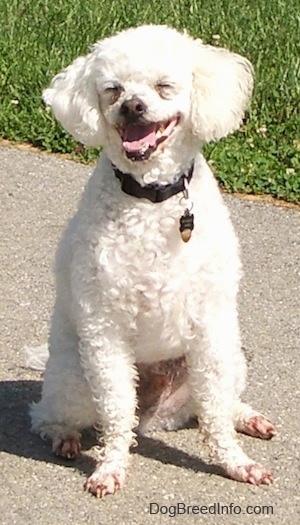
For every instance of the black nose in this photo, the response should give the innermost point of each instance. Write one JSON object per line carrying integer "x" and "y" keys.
{"x": 133, "y": 109}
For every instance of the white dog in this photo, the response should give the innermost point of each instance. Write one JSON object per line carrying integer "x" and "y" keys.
{"x": 145, "y": 326}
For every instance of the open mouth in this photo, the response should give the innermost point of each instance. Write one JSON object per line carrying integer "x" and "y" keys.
{"x": 140, "y": 141}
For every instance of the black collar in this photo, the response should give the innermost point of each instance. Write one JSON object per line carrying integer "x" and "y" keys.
{"x": 154, "y": 192}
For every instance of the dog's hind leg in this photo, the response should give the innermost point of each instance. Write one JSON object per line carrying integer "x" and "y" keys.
{"x": 66, "y": 408}
{"x": 66, "y": 405}
{"x": 251, "y": 422}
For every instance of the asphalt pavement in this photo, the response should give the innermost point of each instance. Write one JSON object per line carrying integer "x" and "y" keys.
{"x": 171, "y": 471}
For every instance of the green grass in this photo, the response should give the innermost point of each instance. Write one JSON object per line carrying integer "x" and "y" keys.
{"x": 38, "y": 38}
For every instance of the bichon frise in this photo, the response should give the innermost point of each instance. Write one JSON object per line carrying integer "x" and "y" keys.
{"x": 145, "y": 328}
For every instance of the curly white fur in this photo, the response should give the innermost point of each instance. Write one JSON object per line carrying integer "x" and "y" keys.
{"x": 129, "y": 290}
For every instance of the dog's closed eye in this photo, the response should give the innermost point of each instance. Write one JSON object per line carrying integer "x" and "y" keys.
{"x": 165, "y": 88}
{"x": 113, "y": 92}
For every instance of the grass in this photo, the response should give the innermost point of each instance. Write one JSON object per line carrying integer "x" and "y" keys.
{"x": 38, "y": 38}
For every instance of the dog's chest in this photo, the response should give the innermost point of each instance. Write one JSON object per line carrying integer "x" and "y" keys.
{"x": 141, "y": 254}
{"x": 147, "y": 272}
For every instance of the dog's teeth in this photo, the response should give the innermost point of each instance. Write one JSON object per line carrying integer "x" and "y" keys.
{"x": 158, "y": 133}
{"x": 145, "y": 147}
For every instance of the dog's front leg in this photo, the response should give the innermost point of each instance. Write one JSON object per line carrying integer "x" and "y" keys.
{"x": 109, "y": 369}
{"x": 216, "y": 371}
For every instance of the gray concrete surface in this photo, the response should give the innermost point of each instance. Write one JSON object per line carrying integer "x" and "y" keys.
{"x": 38, "y": 194}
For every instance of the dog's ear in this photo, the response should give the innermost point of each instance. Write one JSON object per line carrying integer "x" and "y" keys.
{"x": 222, "y": 86}
{"x": 74, "y": 101}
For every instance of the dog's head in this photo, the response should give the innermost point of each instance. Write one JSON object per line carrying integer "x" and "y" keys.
{"x": 142, "y": 92}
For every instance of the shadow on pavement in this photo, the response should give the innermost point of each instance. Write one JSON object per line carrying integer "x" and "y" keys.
{"x": 150, "y": 447}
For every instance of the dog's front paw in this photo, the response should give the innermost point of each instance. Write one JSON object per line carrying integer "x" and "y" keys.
{"x": 106, "y": 479}
{"x": 67, "y": 446}
{"x": 254, "y": 474}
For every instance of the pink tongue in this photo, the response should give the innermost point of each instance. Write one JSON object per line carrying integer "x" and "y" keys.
{"x": 135, "y": 137}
